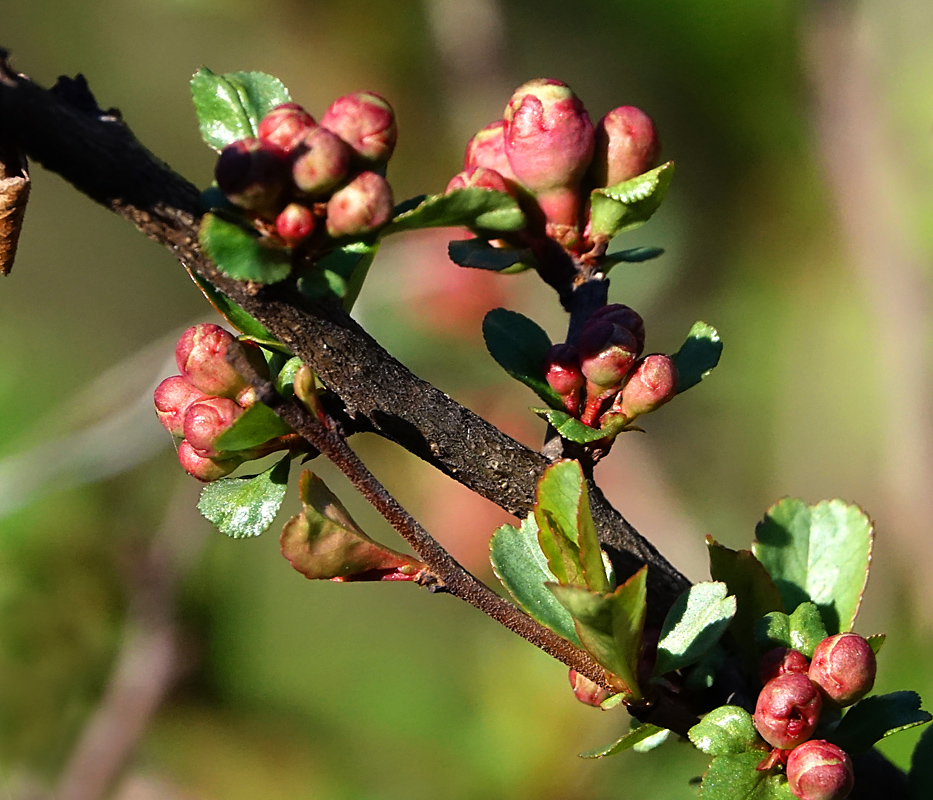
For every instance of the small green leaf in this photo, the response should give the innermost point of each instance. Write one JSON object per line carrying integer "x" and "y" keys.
{"x": 566, "y": 531}
{"x": 339, "y": 273}
{"x": 479, "y": 254}
{"x": 629, "y": 204}
{"x": 819, "y": 553}
{"x": 242, "y": 507}
{"x": 806, "y": 628}
{"x": 755, "y": 592}
{"x": 877, "y": 717}
{"x": 773, "y": 630}
{"x": 519, "y": 346}
{"x": 876, "y": 642}
{"x": 521, "y": 566}
{"x": 726, "y": 730}
{"x": 697, "y": 356}
{"x": 241, "y": 320}
{"x": 634, "y": 255}
{"x": 696, "y": 621}
{"x": 611, "y": 626}
{"x": 627, "y": 742}
{"x": 920, "y": 777}
{"x": 466, "y": 208}
{"x": 735, "y": 777}
{"x": 285, "y": 377}
{"x": 652, "y": 742}
{"x": 240, "y": 253}
{"x": 230, "y": 106}
{"x": 255, "y": 426}
{"x": 570, "y": 428}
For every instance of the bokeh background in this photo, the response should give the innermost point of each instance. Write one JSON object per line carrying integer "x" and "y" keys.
{"x": 144, "y": 652}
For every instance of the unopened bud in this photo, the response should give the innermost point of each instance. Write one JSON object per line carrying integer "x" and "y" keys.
{"x": 205, "y": 469}
{"x": 624, "y": 317}
{"x": 322, "y": 161}
{"x": 843, "y": 666}
{"x": 206, "y": 420}
{"x": 607, "y": 353}
{"x": 626, "y": 145}
{"x": 201, "y": 355}
{"x": 366, "y": 122}
{"x": 172, "y": 398}
{"x": 487, "y": 149}
{"x": 252, "y": 175}
{"x": 295, "y": 223}
{"x": 563, "y": 374}
{"x": 787, "y": 711}
{"x": 586, "y": 691}
{"x": 284, "y": 126}
{"x": 782, "y": 661}
{"x": 480, "y": 178}
{"x": 653, "y": 383}
{"x": 819, "y": 770}
{"x": 360, "y": 207}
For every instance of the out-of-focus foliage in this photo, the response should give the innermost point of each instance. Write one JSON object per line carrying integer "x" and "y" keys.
{"x": 294, "y": 689}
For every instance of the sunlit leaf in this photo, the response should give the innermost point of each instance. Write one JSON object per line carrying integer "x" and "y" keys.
{"x": 806, "y": 628}
{"x": 697, "y": 356}
{"x": 877, "y": 717}
{"x": 467, "y": 208}
{"x": 735, "y": 777}
{"x": 242, "y": 507}
{"x": 696, "y": 621}
{"x": 629, "y": 204}
{"x": 240, "y": 253}
{"x": 627, "y": 742}
{"x": 570, "y": 428}
{"x": 255, "y": 426}
{"x": 726, "y": 730}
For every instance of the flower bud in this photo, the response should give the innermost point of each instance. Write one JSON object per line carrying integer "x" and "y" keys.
{"x": 626, "y": 145}
{"x": 208, "y": 419}
{"x": 205, "y": 469}
{"x": 787, "y": 711}
{"x": 548, "y": 135}
{"x": 284, "y": 126}
{"x": 607, "y": 353}
{"x": 624, "y": 317}
{"x": 843, "y": 666}
{"x": 322, "y": 161}
{"x": 562, "y": 372}
{"x": 819, "y": 770}
{"x": 172, "y": 398}
{"x": 360, "y": 207}
{"x": 487, "y": 149}
{"x": 480, "y": 178}
{"x": 653, "y": 382}
{"x": 586, "y": 691}
{"x": 295, "y": 223}
{"x": 782, "y": 661}
{"x": 252, "y": 175}
{"x": 366, "y": 122}
{"x": 201, "y": 355}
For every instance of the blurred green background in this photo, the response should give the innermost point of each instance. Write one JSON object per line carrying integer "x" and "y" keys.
{"x": 798, "y": 224}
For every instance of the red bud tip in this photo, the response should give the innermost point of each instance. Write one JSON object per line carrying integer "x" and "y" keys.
{"x": 487, "y": 149}
{"x": 653, "y": 383}
{"x": 819, "y": 770}
{"x": 205, "y": 469}
{"x": 366, "y": 122}
{"x": 480, "y": 178}
{"x": 843, "y": 666}
{"x": 607, "y": 353}
{"x": 626, "y": 145}
{"x": 586, "y": 691}
{"x": 782, "y": 661}
{"x": 172, "y": 398}
{"x": 295, "y": 223}
{"x": 201, "y": 355}
{"x": 360, "y": 207}
{"x": 208, "y": 419}
{"x": 284, "y": 126}
{"x": 787, "y": 711}
{"x": 322, "y": 161}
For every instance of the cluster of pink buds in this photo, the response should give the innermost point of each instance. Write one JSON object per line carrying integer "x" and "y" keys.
{"x": 796, "y": 692}
{"x": 299, "y": 178}
{"x": 206, "y": 399}
{"x": 547, "y": 153}
{"x": 603, "y": 380}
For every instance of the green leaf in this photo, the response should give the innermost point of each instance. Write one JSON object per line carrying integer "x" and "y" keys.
{"x": 230, "y": 106}
{"x": 241, "y": 320}
{"x": 521, "y": 566}
{"x": 255, "y": 426}
{"x": 285, "y": 377}
{"x": 920, "y": 777}
{"x": 652, "y": 742}
{"x": 755, "y": 592}
{"x": 696, "y": 621}
{"x": 806, "y": 628}
{"x": 877, "y": 717}
{"x": 629, "y": 204}
{"x": 703, "y": 675}
{"x": 726, "y": 730}
{"x": 734, "y": 777}
{"x": 611, "y": 626}
{"x": 340, "y": 273}
{"x": 876, "y": 642}
{"x": 627, "y": 742}
{"x": 240, "y": 253}
{"x": 468, "y": 208}
{"x": 324, "y": 543}
{"x": 819, "y": 553}
{"x": 773, "y": 630}
{"x": 480, "y": 254}
{"x": 570, "y": 428}
{"x": 242, "y": 507}
{"x": 634, "y": 255}
{"x": 519, "y": 346}
{"x": 566, "y": 531}
{"x": 697, "y": 356}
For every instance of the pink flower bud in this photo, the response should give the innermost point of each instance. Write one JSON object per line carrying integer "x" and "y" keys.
{"x": 843, "y": 666}
{"x": 782, "y": 661}
{"x": 562, "y": 372}
{"x": 295, "y": 223}
{"x": 653, "y": 382}
{"x": 322, "y": 161}
{"x": 548, "y": 135}
{"x": 172, "y": 398}
{"x": 208, "y": 419}
{"x": 585, "y": 690}
{"x": 360, "y": 207}
{"x": 201, "y": 355}
{"x": 626, "y": 145}
{"x": 205, "y": 469}
{"x": 284, "y": 126}
{"x": 607, "y": 353}
{"x": 366, "y": 122}
{"x": 481, "y": 178}
{"x": 624, "y": 317}
{"x": 819, "y": 770}
{"x": 787, "y": 711}
{"x": 487, "y": 149}
{"x": 252, "y": 175}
